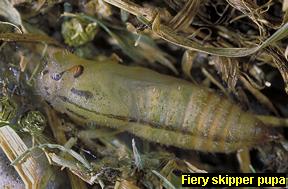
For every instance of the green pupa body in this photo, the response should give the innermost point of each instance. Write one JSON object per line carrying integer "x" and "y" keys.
{"x": 148, "y": 104}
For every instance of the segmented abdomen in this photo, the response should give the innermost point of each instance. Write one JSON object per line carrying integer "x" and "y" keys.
{"x": 202, "y": 119}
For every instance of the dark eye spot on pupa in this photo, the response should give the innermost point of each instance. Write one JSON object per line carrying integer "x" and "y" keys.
{"x": 56, "y": 76}
{"x": 78, "y": 71}
{"x": 85, "y": 94}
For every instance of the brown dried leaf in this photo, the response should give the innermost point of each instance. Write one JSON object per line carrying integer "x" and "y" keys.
{"x": 229, "y": 68}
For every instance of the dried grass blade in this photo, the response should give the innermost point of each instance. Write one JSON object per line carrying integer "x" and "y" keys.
{"x": 254, "y": 12}
{"x": 137, "y": 157}
{"x": 280, "y": 62}
{"x": 132, "y": 8}
{"x": 73, "y": 167}
{"x": 59, "y": 134}
{"x": 13, "y": 146}
{"x": 214, "y": 81}
{"x": 28, "y": 37}
{"x": 186, "y": 15}
{"x": 166, "y": 183}
{"x": 258, "y": 95}
{"x": 171, "y": 36}
{"x": 187, "y": 63}
{"x": 194, "y": 169}
{"x": 168, "y": 34}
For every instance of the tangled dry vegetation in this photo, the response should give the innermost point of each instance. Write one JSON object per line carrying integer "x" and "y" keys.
{"x": 238, "y": 47}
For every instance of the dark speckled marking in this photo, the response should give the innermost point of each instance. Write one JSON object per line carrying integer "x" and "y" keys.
{"x": 85, "y": 94}
{"x": 45, "y": 72}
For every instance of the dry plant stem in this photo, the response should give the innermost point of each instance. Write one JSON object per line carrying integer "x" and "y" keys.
{"x": 243, "y": 157}
{"x": 55, "y": 124}
{"x": 214, "y": 81}
{"x": 133, "y": 8}
{"x": 194, "y": 169}
{"x": 13, "y": 146}
{"x": 280, "y": 62}
{"x": 186, "y": 15}
{"x": 28, "y": 37}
